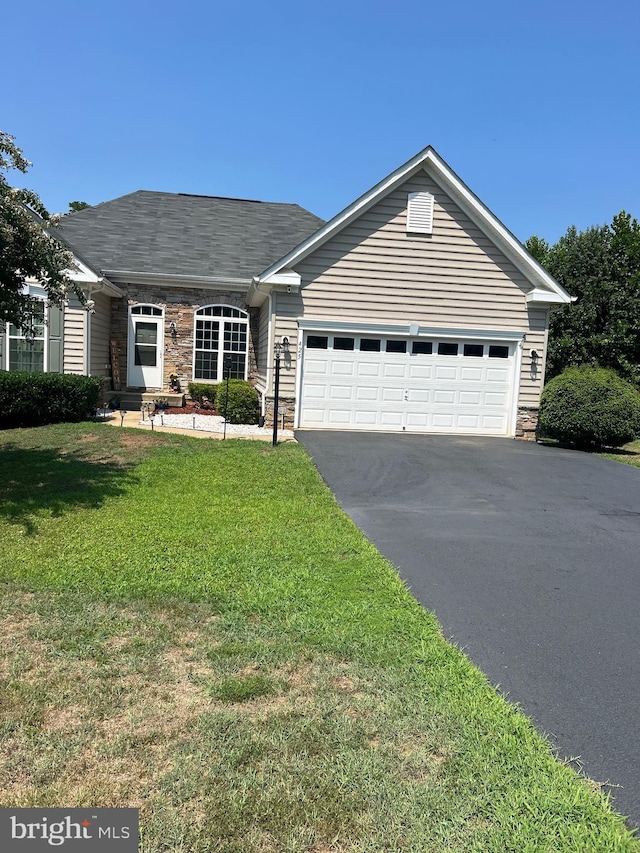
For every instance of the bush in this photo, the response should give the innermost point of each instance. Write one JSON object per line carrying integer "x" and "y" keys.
{"x": 243, "y": 406}
{"x": 590, "y": 407}
{"x": 200, "y": 391}
{"x": 35, "y": 399}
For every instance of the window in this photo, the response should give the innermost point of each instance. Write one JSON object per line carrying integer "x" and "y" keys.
{"x": 26, "y": 351}
{"x": 446, "y": 348}
{"x": 369, "y": 344}
{"x": 396, "y": 346}
{"x": 221, "y": 333}
{"x": 498, "y": 352}
{"x": 147, "y": 310}
{"x": 344, "y": 343}
{"x": 422, "y": 348}
{"x": 317, "y": 342}
{"x": 474, "y": 350}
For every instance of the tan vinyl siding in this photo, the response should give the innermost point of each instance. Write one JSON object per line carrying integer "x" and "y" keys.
{"x": 262, "y": 350}
{"x": 75, "y": 336}
{"x": 100, "y": 330}
{"x": 373, "y": 271}
{"x": 286, "y": 324}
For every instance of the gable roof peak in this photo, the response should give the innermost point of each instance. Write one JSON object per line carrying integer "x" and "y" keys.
{"x": 429, "y": 160}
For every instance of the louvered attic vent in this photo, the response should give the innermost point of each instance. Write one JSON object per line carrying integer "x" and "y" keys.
{"x": 420, "y": 213}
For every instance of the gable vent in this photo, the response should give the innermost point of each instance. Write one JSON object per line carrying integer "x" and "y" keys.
{"x": 420, "y": 213}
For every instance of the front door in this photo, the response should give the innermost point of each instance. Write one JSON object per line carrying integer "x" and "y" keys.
{"x": 146, "y": 334}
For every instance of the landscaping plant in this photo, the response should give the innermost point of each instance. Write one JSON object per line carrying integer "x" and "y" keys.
{"x": 35, "y": 399}
{"x": 590, "y": 407}
{"x": 243, "y": 406}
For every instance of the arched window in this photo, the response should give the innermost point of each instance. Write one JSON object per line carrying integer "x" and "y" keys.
{"x": 221, "y": 332}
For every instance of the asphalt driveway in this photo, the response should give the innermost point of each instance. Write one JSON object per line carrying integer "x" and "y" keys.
{"x": 530, "y": 557}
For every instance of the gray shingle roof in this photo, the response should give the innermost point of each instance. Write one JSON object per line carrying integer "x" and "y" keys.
{"x": 180, "y": 234}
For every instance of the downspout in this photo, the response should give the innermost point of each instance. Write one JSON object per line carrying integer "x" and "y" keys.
{"x": 263, "y": 394}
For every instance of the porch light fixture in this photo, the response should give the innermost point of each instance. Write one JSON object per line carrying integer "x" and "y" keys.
{"x": 173, "y": 329}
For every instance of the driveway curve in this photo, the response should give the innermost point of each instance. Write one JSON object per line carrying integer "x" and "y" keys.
{"x": 530, "y": 558}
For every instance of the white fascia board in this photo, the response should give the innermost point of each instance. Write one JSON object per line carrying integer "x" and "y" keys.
{"x": 545, "y": 297}
{"x": 286, "y": 278}
{"x": 356, "y": 327}
{"x": 134, "y": 277}
{"x": 80, "y": 273}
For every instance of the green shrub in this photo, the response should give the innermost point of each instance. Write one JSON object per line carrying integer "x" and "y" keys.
{"x": 35, "y": 399}
{"x": 243, "y": 406}
{"x": 590, "y": 407}
{"x": 200, "y": 391}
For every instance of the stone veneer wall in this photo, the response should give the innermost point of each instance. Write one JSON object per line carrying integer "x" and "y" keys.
{"x": 286, "y": 402}
{"x": 179, "y": 305}
{"x": 527, "y": 424}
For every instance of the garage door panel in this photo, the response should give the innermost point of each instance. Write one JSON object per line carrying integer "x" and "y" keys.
{"x": 370, "y": 369}
{"x": 495, "y": 398}
{"x": 445, "y": 373}
{"x": 442, "y": 420}
{"x": 391, "y": 420}
{"x": 422, "y": 392}
{"x": 497, "y": 375}
{"x": 316, "y": 367}
{"x": 366, "y": 419}
{"x": 393, "y": 371}
{"x": 470, "y": 398}
{"x": 419, "y": 395}
{"x": 423, "y": 372}
{"x": 392, "y": 395}
{"x": 447, "y": 397}
{"x": 471, "y": 374}
{"x": 342, "y": 368}
{"x": 470, "y": 422}
{"x": 494, "y": 423}
{"x": 340, "y": 393}
{"x": 339, "y": 417}
{"x": 367, "y": 394}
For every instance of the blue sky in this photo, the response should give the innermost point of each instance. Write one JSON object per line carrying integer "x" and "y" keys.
{"x": 536, "y": 105}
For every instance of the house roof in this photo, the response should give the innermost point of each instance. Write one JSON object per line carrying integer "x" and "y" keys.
{"x": 545, "y": 289}
{"x": 176, "y": 234}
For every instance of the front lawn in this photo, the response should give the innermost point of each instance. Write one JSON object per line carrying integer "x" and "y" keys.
{"x": 196, "y": 629}
{"x": 630, "y": 454}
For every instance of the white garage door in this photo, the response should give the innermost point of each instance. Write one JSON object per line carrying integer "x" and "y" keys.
{"x": 422, "y": 385}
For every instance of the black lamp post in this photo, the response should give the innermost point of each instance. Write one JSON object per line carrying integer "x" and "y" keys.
{"x": 228, "y": 364}
{"x": 276, "y": 390}
{"x": 278, "y": 349}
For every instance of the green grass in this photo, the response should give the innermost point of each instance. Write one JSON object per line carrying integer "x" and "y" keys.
{"x": 630, "y": 454}
{"x": 196, "y": 629}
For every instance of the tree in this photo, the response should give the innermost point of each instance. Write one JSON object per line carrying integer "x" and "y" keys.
{"x": 75, "y": 206}
{"x": 27, "y": 250}
{"x": 601, "y": 268}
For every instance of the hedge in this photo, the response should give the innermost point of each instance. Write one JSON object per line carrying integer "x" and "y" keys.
{"x": 35, "y": 399}
{"x": 200, "y": 391}
{"x": 244, "y": 404}
{"x": 590, "y": 407}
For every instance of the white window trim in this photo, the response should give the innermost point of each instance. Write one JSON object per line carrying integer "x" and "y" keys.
{"x": 221, "y": 319}
{"x": 40, "y": 294}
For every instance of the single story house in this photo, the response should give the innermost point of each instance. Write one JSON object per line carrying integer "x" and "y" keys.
{"x": 414, "y": 309}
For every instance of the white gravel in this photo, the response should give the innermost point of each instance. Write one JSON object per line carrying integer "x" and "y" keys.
{"x": 212, "y": 423}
